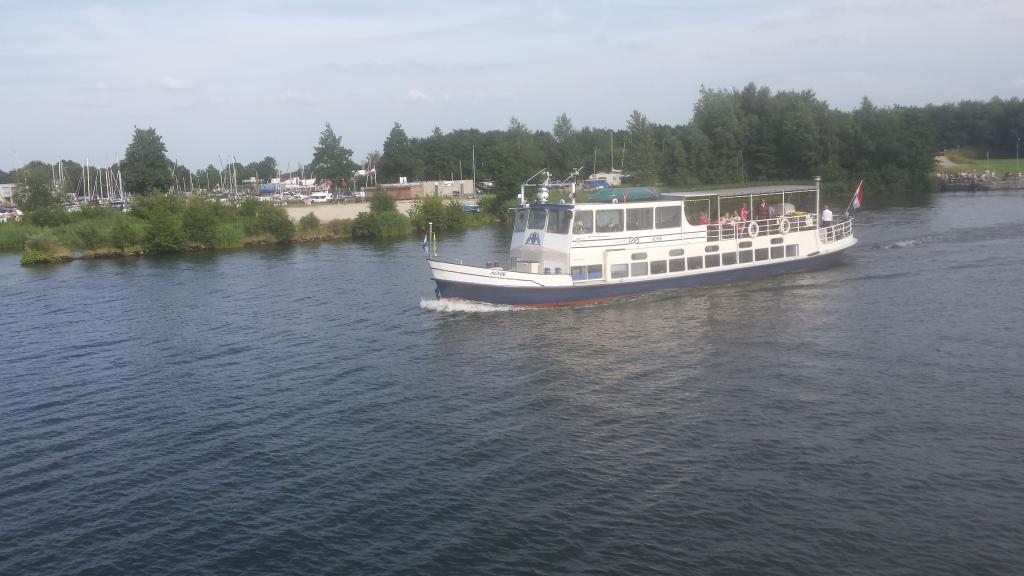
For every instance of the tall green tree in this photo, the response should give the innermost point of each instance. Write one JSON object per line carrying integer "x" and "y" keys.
{"x": 331, "y": 160}
{"x": 145, "y": 165}
{"x": 398, "y": 157}
{"x": 34, "y": 188}
{"x": 641, "y": 162}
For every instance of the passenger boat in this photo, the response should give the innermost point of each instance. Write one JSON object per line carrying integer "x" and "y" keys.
{"x": 568, "y": 254}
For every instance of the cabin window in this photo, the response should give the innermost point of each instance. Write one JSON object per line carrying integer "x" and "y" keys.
{"x": 778, "y": 251}
{"x": 712, "y": 248}
{"x": 521, "y": 216}
{"x": 537, "y": 216}
{"x": 793, "y": 250}
{"x": 594, "y": 271}
{"x": 619, "y": 270}
{"x": 639, "y": 256}
{"x": 639, "y": 218}
{"x": 638, "y": 269}
{"x": 583, "y": 222}
{"x": 658, "y": 267}
{"x": 760, "y": 254}
{"x": 676, "y": 252}
{"x": 608, "y": 221}
{"x": 712, "y": 261}
{"x": 677, "y": 265}
{"x": 746, "y": 244}
{"x": 695, "y": 262}
{"x": 668, "y": 216}
{"x": 558, "y": 221}
{"x": 728, "y": 258}
{"x": 578, "y": 272}
{"x": 746, "y": 256}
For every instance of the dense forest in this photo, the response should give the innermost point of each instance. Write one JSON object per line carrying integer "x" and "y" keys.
{"x": 734, "y": 137}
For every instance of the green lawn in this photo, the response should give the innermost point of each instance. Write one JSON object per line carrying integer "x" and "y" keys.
{"x": 965, "y": 163}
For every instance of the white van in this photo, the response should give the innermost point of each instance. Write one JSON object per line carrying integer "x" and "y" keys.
{"x": 321, "y": 197}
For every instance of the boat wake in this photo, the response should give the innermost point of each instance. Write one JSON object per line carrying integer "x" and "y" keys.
{"x": 900, "y": 244}
{"x": 465, "y": 306}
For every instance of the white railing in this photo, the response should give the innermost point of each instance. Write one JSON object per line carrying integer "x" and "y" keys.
{"x": 836, "y": 232}
{"x": 766, "y": 227}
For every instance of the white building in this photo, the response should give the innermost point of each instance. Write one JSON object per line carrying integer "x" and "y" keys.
{"x": 7, "y": 193}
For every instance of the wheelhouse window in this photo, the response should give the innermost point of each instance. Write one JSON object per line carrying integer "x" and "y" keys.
{"x": 608, "y": 221}
{"x": 521, "y": 217}
{"x": 639, "y": 218}
{"x": 537, "y": 217}
{"x": 583, "y": 222}
{"x": 668, "y": 217}
{"x": 558, "y": 221}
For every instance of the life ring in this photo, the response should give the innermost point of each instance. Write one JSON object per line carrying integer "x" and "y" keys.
{"x": 752, "y": 229}
{"x": 784, "y": 225}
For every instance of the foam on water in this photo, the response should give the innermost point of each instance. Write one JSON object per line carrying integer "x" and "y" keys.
{"x": 464, "y": 306}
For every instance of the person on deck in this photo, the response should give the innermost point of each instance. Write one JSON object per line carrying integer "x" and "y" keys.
{"x": 744, "y": 213}
{"x": 826, "y": 220}
{"x": 763, "y": 211}
{"x": 703, "y": 219}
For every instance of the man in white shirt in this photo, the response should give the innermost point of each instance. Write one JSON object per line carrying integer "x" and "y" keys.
{"x": 826, "y": 220}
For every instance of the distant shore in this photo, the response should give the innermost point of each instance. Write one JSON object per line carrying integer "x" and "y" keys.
{"x": 338, "y": 211}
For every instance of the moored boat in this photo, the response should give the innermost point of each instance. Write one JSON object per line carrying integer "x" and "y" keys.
{"x": 565, "y": 254}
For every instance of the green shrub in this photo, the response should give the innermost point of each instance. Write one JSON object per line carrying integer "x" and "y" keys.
{"x": 164, "y": 232}
{"x": 88, "y": 234}
{"x": 45, "y": 242}
{"x": 382, "y": 202}
{"x": 309, "y": 223}
{"x": 273, "y": 221}
{"x": 147, "y": 207}
{"x": 127, "y": 232}
{"x": 498, "y": 207}
{"x": 199, "y": 220}
{"x": 34, "y": 257}
{"x": 445, "y": 215}
{"x": 14, "y": 234}
{"x": 381, "y": 225}
{"x": 340, "y": 228}
{"x": 228, "y": 235}
{"x": 48, "y": 216}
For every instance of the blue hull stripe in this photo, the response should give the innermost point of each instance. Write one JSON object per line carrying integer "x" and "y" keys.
{"x": 589, "y": 292}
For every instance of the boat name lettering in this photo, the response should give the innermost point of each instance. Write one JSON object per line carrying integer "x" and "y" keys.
{"x": 497, "y": 273}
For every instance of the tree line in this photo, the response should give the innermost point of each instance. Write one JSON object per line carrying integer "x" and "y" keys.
{"x": 735, "y": 136}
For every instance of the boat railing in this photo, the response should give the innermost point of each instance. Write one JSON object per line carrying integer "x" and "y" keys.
{"x": 838, "y": 231}
{"x": 764, "y": 227}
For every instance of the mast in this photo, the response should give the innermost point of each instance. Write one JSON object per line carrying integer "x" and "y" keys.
{"x": 474, "y": 168}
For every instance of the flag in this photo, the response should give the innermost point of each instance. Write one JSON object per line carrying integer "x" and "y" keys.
{"x": 858, "y": 196}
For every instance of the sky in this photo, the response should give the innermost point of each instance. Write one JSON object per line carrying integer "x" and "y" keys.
{"x": 250, "y": 78}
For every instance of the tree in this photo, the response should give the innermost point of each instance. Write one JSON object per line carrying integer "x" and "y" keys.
{"x": 398, "y": 157}
{"x": 642, "y": 161}
{"x": 34, "y": 188}
{"x": 145, "y": 166}
{"x": 266, "y": 168}
{"x": 331, "y": 160}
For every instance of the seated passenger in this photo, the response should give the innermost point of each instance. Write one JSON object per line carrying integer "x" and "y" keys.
{"x": 703, "y": 219}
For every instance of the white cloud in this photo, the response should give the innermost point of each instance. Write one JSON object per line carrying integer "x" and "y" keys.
{"x": 417, "y": 95}
{"x": 172, "y": 84}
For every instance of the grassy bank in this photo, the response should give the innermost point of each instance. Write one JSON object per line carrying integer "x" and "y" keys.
{"x": 969, "y": 160}
{"x": 160, "y": 224}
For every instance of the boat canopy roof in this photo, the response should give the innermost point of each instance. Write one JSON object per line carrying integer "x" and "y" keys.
{"x": 634, "y": 194}
{"x": 749, "y": 191}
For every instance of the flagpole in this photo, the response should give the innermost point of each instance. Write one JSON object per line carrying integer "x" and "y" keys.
{"x": 854, "y": 197}
{"x": 430, "y": 236}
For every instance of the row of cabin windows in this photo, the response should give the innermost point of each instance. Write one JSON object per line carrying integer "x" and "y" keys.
{"x": 635, "y": 269}
{"x": 628, "y": 219}
{"x": 554, "y": 220}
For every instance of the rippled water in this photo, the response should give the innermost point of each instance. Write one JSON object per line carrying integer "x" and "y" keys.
{"x": 312, "y": 410}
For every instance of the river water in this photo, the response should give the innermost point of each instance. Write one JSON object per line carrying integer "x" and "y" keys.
{"x": 312, "y": 410}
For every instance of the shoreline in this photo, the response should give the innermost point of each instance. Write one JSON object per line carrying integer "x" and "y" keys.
{"x": 338, "y": 211}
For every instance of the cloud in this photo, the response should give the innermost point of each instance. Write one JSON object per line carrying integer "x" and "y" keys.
{"x": 417, "y": 95}
{"x": 301, "y": 97}
{"x": 172, "y": 84}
